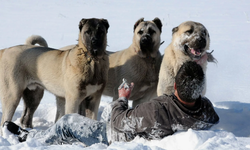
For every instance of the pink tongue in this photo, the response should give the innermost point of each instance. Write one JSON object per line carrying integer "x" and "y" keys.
{"x": 195, "y": 52}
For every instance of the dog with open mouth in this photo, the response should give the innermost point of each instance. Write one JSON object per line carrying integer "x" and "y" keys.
{"x": 190, "y": 42}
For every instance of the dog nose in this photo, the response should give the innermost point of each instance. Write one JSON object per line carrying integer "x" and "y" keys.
{"x": 202, "y": 40}
{"x": 146, "y": 38}
{"x": 94, "y": 40}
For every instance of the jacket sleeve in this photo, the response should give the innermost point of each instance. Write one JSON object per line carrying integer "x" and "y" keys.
{"x": 136, "y": 120}
{"x": 212, "y": 116}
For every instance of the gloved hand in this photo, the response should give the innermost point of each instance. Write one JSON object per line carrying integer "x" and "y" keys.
{"x": 125, "y": 92}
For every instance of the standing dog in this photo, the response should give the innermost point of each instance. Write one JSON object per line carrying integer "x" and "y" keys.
{"x": 190, "y": 42}
{"x": 74, "y": 76}
{"x": 139, "y": 63}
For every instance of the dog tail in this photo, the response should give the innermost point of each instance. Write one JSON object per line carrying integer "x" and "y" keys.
{"x": 109, "y": 52}
{"x": 211, "y": 57}
{"x": 36, "y": 39}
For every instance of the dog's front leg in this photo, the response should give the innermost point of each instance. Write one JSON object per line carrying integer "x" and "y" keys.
{"x": 72, "y": 104}
{"x": 60, "y": 107}
{"x": 90, "y": 105}
{"x": 166, "y": 82}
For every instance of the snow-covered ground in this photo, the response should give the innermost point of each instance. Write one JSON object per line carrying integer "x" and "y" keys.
{"x": 228, "y": 23}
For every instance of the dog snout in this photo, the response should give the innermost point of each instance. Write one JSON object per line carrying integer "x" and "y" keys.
{"x": 146, "y": 39}
{"x": 95, "y": 51}
{"x": 94, "y": 41}
{"x": 202, "y": 42}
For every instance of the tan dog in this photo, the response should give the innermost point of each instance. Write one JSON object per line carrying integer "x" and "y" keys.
{"x": 139, "y": 63}
{"x": 74, "y": 76}
{"x": 190, "y": 42}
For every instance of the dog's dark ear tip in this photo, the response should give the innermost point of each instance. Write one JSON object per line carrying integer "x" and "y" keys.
{"x": 81, "y": 23}
{"x": 106, "y": 23}
{"x": 138, "y": 22}
{"x": 158, "y": 23}
{"x": 175, "y": 29}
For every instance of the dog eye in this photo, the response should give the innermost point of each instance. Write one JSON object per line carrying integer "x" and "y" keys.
{"x": 151, "y": 31}
{"x": 189, "y": 31}
{"x": 88, "y": 32}
{"x": 205, "y": 33}
{"x": 100, "y": 32}
{"x": 140, "y": 32}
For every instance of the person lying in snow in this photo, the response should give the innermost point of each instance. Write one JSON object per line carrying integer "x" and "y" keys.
{"x": 160, "y": 117}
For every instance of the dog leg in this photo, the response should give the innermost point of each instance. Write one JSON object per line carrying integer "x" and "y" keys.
{"x": 90, "y": 106}
{"x": 166, "y": 81}
{"x": 32, "y": 99}
{"x": 82, "y": 110}
{"x": 166, "y": 87}
{"x": 60, "y": 104}
{"x": 94, "y": 105}
{"x": 10, "y": 101}
{"x": 72, "y": 103}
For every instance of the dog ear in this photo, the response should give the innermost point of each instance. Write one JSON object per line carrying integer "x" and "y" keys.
{"x": 175, "y": 30}
{"x": 82, "y": 22}
{"x": 106, "y": 24}
{"x": 158, "y": 23}
{"x": 138, "y": 22}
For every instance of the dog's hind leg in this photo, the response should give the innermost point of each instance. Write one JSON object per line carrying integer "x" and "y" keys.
{"x": 31, "y": 100}
{"x": 9, "y": 101}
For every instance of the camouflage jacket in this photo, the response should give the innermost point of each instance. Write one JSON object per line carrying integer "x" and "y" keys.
{"x": 159, "y": 117}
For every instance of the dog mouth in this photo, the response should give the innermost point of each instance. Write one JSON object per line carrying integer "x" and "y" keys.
{"x": 146, "y": 44}
{"x": 97, "y": 52}
{"x": 94, "y": 52}
{"x": 193, "y": 52}
{"x": 96, "y": 48}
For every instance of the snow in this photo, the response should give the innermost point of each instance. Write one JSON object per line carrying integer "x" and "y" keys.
{"x": 228, "y": 81}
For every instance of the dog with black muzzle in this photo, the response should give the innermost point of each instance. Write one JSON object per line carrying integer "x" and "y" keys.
{"x": 76, "y": 75}
{"x": 139, "y": 63}
{"x": 190, "y": 42}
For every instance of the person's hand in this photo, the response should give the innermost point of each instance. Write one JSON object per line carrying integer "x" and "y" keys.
{"x": 125, "y": 92}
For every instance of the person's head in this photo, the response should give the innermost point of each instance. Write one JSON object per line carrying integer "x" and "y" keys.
{"x": 189, "y": 82}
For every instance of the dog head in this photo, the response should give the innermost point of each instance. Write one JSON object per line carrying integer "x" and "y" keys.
{"x": 192, "y": 38}
{"x": 147, "y": 37}
{"x": 93, "y": 35}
